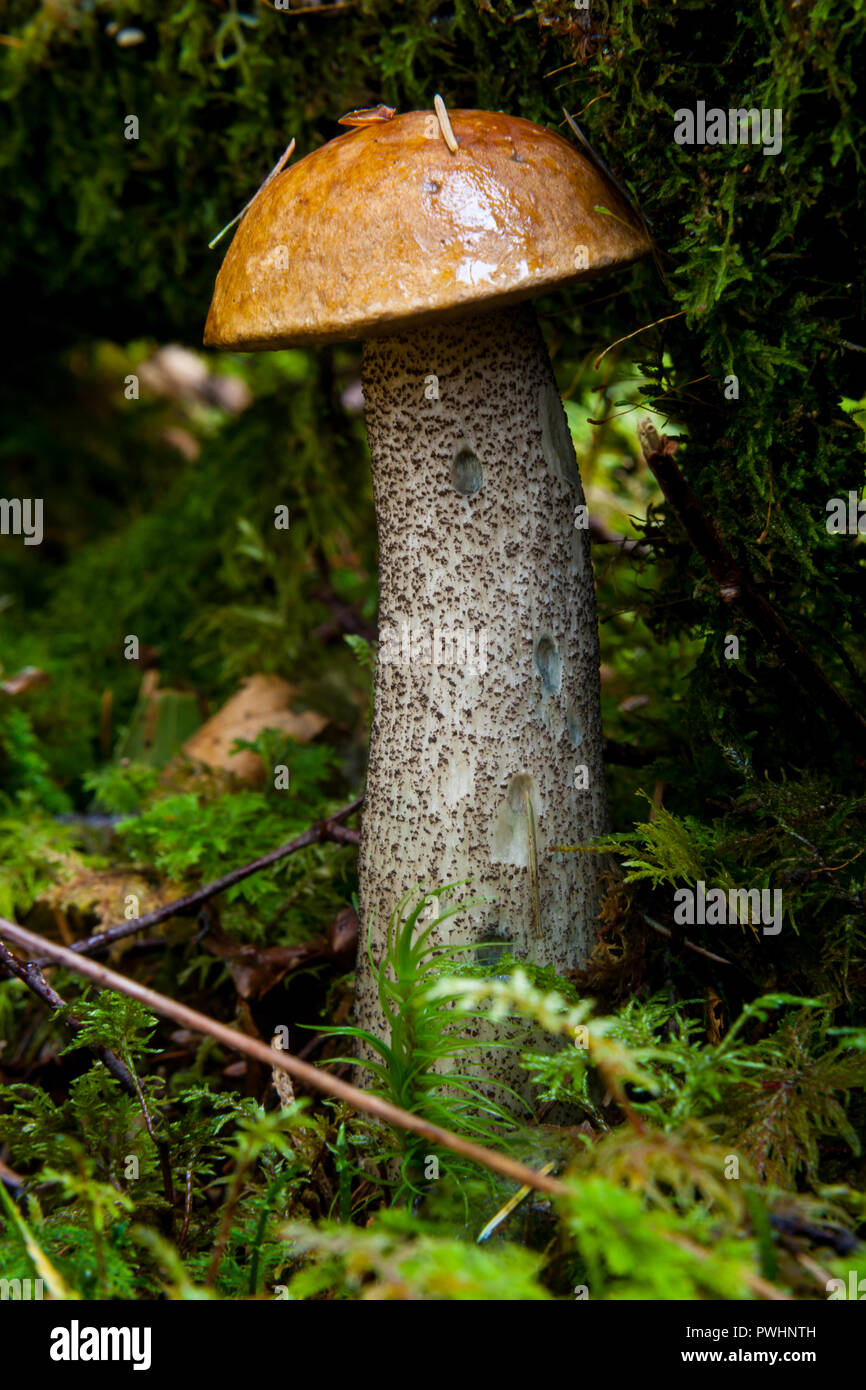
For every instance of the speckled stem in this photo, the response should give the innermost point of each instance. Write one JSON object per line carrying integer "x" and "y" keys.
{"x": 487, "y": 683}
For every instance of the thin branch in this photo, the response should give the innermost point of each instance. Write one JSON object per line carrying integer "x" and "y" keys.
{"x": 599, "y": 534}
{"x": 323, "y": 830}
{"x": 331, "y": 1085}
{"x": 160, "y": 1146}
{"x": 286, "y": 155}
{"x": 760, "y": 1286}
{"x": 32, "y": 977}
{"x": 187, "y": 1211}
{"x": 667, "y": 318}
{"x": 30, "y": 974}
{"x": 736, "y": 585}
{"x": 225, "y": 1226}
{"x": 309, "y": 1075}
{"x": 699, "y": 950}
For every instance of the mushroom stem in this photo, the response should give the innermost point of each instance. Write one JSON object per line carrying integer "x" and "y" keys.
{"x": 486, "y": 743}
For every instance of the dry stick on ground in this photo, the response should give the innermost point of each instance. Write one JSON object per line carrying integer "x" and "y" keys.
{"x": 271, "y": 1057}
{"x": 736, "y": 586}
{"x": 665, "y": 931}
{"x": 600, "y": 534}
{"x": 31, "y": 976}
{"x": 331, "y": 1085}
{"x": 323, "y": 830}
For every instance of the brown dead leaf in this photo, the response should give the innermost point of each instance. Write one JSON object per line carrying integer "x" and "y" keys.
{"x": 23, "y": 680}
{"x": 261, "y": 703}
{"x": 108, "y": 895}
{"x": 633, "y": 702}
{"x": 282, "y": 1080}
{"x": 185, "y": 443}
{"x": 257, "y": 969}
{"x": 715, "y": 1015}
{"x": 343, "y": 937}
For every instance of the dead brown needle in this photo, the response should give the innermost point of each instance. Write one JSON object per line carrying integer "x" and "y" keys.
{"x": 370, "y": 115}
{"x": 284, "y": 157}
{"x": 444, "y": 123}
{"x": 642, "y": 329}
{"x": 533, "y": 862}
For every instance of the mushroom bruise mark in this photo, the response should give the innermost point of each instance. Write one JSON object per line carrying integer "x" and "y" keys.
{"x": 511, "y": 843}
{"x": 515, "y": 835}
{"x": 574, "y": 723}
{"x": 467, "y": 475}
{"x": 556, "y": 442}
{"x": 548, "y": 663}
{"x": 518, "y": 788}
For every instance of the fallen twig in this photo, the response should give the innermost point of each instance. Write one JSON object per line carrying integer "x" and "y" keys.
{"x": 309, "y": 1075}
{"x": 690, "y": 945}
{"x": 331, "y": 1085}
{"x": 31, "y": 976}
{"x": 323, "y": 830}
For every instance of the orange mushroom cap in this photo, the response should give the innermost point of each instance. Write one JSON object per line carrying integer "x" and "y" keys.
{"x": 385, "y": 228}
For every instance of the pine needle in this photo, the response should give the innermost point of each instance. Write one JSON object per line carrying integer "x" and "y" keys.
{"x": 533, "y": 862}
{"x": 283, "y": 159}
{"x": 509, "y": 1207}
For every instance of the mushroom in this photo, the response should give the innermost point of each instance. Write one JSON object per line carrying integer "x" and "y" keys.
{"x": 426, "y": 235}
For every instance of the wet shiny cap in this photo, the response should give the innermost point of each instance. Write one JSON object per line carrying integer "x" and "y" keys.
{"x": 386, "y": 227}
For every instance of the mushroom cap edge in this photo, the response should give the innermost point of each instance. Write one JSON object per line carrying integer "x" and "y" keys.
{"x": 384, "y": 228}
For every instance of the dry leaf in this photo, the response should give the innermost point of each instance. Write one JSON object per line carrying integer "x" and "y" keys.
{"x": 257, "y": 969}
{"x": 715, "y": 1016}
{"x": 23, "y": 680}
{"x": 282, "y": 1080}
{"x": 108, "y": 895}
{"x": 261, "y": 703}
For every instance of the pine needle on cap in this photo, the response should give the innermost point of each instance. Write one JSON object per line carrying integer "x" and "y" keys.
{"x": 283, "y": 159}
{"x": 444, "y": 123}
